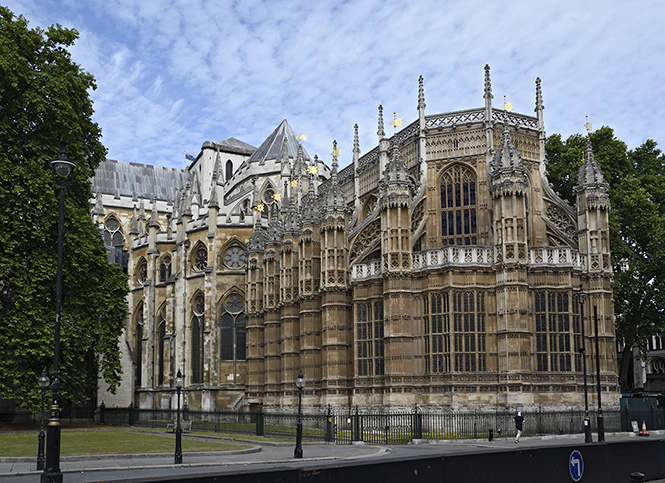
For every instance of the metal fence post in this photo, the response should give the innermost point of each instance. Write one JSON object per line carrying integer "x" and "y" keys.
{"x": 416, "y": 423}
{"x": 329, "y": 424}
{"x": 259, "y": 420}
{"x": 102, "y": 411}
{"x": 131, "y": 414}
{"x": 355, "y": 430}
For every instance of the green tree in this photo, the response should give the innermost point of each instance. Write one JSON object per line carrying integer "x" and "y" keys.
{"x": 44, "y": 102}
{"x": 637, "y": 229}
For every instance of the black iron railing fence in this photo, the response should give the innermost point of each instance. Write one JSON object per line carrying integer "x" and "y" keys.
{"x": 364, "y": 424}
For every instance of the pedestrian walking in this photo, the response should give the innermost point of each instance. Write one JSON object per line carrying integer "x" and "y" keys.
{"x": 519, "y": 422}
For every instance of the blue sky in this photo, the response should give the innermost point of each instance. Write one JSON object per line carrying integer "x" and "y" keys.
{"x": 172, "y": 74}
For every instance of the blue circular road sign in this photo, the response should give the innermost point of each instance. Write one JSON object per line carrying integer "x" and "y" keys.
{"x": 576, "y": 465}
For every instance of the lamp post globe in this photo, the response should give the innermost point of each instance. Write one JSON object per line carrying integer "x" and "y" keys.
{"x": 43, "y": 383}
{"x": 300, "y": 384}
{"x": 177, "y": 458}
{"x": 62, "y": 168}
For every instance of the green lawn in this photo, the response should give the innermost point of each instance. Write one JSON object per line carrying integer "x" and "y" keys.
{"x": 106, "y": 441}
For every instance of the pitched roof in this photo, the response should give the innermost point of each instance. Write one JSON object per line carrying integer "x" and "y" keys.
{"x": 272, "y": 147}
{"x": 121, "y": 178}
{"x": 233, "y": 145}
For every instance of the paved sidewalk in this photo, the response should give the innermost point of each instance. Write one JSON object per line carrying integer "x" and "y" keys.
{"x": 81, "y": 468}
{"x": 107, "y": 468}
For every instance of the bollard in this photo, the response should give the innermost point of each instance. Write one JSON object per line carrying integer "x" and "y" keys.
{"x": 491, "y": 437}
{"x": 637, "y": 477}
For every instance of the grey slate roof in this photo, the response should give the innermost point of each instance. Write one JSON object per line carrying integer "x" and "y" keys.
{"x": 120, "y": 178}
{"x": 236, "y": 146}
{"x": 271, "y": 148}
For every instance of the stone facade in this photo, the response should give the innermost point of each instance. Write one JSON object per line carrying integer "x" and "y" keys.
{"x": 438, "y": 269}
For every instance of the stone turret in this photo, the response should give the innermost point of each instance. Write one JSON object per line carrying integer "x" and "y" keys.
{"x": 593, "y": 206}
{"x": 509, "y": 185}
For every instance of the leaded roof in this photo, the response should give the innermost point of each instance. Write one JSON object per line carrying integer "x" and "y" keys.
{"x": 121, "y": 178}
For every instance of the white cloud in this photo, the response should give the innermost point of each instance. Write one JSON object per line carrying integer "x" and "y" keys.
{"x": 173, "y": 75}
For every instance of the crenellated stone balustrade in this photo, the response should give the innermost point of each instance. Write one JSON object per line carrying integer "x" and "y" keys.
{"x": 473, "y": 256}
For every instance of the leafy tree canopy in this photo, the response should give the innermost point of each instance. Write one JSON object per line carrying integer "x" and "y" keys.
{"x": 44, "y": 102}
{"x": 637, "y": 228}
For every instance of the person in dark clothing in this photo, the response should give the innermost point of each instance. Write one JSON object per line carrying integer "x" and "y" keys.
{"x": 519, "y": 421}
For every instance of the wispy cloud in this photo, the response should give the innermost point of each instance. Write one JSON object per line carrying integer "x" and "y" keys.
{"x": 172, "y": 75}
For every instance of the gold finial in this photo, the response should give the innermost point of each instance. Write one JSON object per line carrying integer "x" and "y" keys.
{"x": 294, "y": 183}
{"x": 397, "y": 121}
{"x": 313, "y": 170}
{"x": 259, "y": 207}
{"x": 588, "y": 126}
{"x": 302, "y": 137}
{"x": 276, "y": 196}
{"x": 335, "y": 152}
{"x": 507, "y": 106}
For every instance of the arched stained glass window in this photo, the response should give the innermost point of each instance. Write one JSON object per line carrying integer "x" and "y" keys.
{"x": 458, "y": 206}
{"x": 232, "y": 329}
{"x": 142, "y": 271}
{"x": 165, "y": 269}
{"x": 201, "y": 259}
{"x": 112, "y": 232}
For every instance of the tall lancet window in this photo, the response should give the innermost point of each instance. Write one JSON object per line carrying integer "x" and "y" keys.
{"x": 160, "y": 353}
{"x": 198, "y": 324}
{"x": 138, "y": 348}
{"x": 232, "y": 329}
{"x": 458, "y": 206}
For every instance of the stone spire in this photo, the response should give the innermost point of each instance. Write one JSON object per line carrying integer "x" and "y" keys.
{"x": 334, "y": 198}
{"x": 291, "y": 218}
{"x": 488, "y": 84}
{"x": 275, "y": 230}
{"x": 539, "y": 115}
{"x": 590, "y": 175}
{"x": 422, "y": 126}
{"x": 134, "y": 224}
{"x": 186, "y": 200}
{"x": 381, "y": 132}
{"x": 142, "y": 218}
{"x": 99, "y": 206}
{"x": 257, "y": 240}
{"x": 356, "y": 143}
{"x": 421, "y": 95}
{"x": 154, "y": 216}
{"x": 356, "y": 160}
{"x": 489, "y": 138}
{"x": 396, "y": 172}
{"x": 218, "y": 166}
{"x": 508, "y": 174}
{"x": 214, "y": 202}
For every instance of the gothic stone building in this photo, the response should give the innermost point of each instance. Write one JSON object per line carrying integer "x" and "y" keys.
{"x": 438, "y": 269}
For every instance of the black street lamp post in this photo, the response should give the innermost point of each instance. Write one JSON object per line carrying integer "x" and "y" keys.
{"x": 43, "y": 382}
{"x": 587, "y": 426}
{"x": 177, "y": 459}
{"x": 62, "y": 167}
{"x": 300, "y": 383}
{"x": 599, "y": 419}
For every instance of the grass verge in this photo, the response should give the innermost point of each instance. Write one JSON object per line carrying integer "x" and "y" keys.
{"x": 106, "y": 441}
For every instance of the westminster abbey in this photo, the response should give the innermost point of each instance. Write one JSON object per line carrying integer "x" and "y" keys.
{"x": 439, "y": 268}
